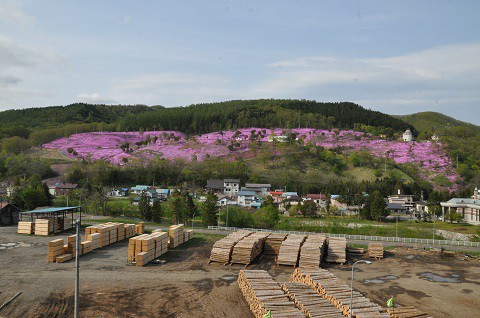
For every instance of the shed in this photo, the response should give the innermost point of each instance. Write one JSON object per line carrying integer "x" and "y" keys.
{"x": 62, "y": 217}
{"x": 8, "y": 213}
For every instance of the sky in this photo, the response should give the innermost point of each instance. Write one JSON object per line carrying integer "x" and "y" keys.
{"x": 397, "y": 57}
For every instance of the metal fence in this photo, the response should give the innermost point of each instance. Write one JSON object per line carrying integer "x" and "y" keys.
{"x": 360, "y": 237}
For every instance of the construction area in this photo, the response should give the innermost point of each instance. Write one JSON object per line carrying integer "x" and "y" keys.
{"x": 220, "y": 275}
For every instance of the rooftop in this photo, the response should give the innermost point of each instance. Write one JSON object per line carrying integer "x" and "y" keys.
{"x": 52, "y": 210}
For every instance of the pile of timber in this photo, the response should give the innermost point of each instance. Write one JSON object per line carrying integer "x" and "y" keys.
{"x": 187, "y": 235}
{"x": 176, "y": 235}
{"x": 406, "y": 312}
{"x": 263, "y": 294}
{"x": 96, "y": 236}
{"x": 26, "y": 227}
{"x": 336, "y": 252}
{"x": 43, "y": 227}
{"x": 375, "y": 249}
{"x": 334, "y": 290}
{"x": 145, "y": 248}
{"x": 140, "y": 228}
{"x": 312, "y": 251}
{"x": 290, "y": 249}
{"x": 355, "y": 250}
{"x": 222, "y": 249}
{"x": 273, "y": 243}
{"x": 310, "y": 302}
{"x": 247, "y": 249}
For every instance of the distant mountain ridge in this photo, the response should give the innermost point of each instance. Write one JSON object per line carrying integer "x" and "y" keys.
{"x": 434, "y": 122}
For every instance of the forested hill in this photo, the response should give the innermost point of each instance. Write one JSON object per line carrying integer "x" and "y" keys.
{"x": 41, "y": 125}
{"x": 270, "y": 113}
{"x": 435, "y": 123}
{"x": 57, "y": 116}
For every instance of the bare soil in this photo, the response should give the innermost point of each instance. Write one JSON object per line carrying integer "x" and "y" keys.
{"x": 186, "y": 286}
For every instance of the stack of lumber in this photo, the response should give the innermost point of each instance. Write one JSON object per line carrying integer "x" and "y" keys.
{"x": 26, "y": 227}
{"x": 312, "y": 251}
{"x": 130, "y": 230}
{"x": 145, "y": 248}
{"x": 337, "y": 250}
{"x": 187, "y": 235}
{"x": 273, "y": 243}
{"x": 310, "y": 302}
{"x": 355, "y": 250}
{"x": 334, "y": 290}
{"x": 262, "y": 294}
{"x": 43, "y": 227}
{"x": 140, "y": 228}
{"x": 290, "y": 249}
{"x": 55, "y": 248}
{"x": 176, "y": 235}
{"x": 95, "y": 239}
{"x": 405, "y": 312}
{"x": 375, "y": 249}
{"x": 247, "y": 249}
{"x": 71, "y": 244}
{"x": 86, "y": 247}
{"x": 222, "y": 249}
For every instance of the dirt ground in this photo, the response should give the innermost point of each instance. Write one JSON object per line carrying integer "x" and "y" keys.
{"x": 186, "y": 286}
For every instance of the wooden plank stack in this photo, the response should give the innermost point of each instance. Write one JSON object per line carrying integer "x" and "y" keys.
{"x": 273, "y": 243}
{"x": 262, "y": 294}
{"x": 406, "y": 312}
{"x": 187, "y": 235}
{"x": 176, "y": 235}
{"x": 290, "y": 249}
{"x": 140, "y": 228}
{"x": 312, "y": 251}
{"x": 310, "y": 302}
{"x": 43, "y": 227}
{"x": 147, "y": 247}
{"x": 337, "y": 250}
{"x": 355, "y": 250}
{"x": 95, "y": 239}
{"x": 375, "y": 249}
{"x": 247, "y": 249}
{"x": 334, "y": 290}
{"x": 55, "y": 248}
{"x": 222, "y": 249}
{"x": 26, "y": 227}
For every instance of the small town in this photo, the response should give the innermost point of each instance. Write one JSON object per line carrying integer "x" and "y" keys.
{"x": 221, "y": 159}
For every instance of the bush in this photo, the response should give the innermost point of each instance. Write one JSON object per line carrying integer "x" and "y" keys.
{"x": 237, "y": 217}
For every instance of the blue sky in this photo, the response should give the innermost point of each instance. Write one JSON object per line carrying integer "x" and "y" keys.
{"x": 398, "y": 57}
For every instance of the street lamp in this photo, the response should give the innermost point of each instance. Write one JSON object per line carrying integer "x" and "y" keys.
{"x": 227, "y": 214}
{"x": 351, "y": 294}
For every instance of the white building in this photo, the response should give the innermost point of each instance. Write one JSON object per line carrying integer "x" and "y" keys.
{"x": 231, "y": 187}
{"x": 469, "y": 209}
{"x": 246, "y": 198}
{"x": 407, "y": 136}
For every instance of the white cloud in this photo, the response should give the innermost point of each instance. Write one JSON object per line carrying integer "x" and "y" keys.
{"x": 421, "y": 77}
{"x": 12, "y": 14}
{"x": 95, "y": 98}
{"x": 171, "y": 89}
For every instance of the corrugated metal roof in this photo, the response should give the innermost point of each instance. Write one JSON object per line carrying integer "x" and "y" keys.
{"x": 50, "y": 210}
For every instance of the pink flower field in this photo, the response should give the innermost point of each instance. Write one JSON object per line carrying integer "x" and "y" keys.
{"x": 430, "y": 157}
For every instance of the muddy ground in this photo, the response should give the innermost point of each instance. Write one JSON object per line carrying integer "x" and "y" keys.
{"x": 185, "y": 286}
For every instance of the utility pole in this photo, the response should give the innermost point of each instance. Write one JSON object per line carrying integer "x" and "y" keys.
{"x": 77, "y": 268}
{"x": 227, "y": 214}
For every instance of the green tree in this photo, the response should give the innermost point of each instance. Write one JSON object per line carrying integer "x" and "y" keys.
{"x": 308, "y": 208}
{"x": 237, "y": 217}
{"x": 210, "y": 209}
{"x": 144, "y": 207}
{"x": 266, "y": 217}
{"x": 377, "y": 206}
{"x": 157, "y": 211}
{"x": 14, "y": 145}
{"x": 177, "y": 208}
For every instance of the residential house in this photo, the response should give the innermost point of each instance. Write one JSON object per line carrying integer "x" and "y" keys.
{"x": 245, "y": 198}
{"x": 396, "y": 208}
{"x": 421, "y": 207}
{"x": 162, "y": 194}
{"x": 277, "y": 196}
{"x": 260, "y": 189}
{"x": 319, "y": 199}
{"x": 231, "y": 186}
{"x": 403, "y": 199}
{"x": 138, "y": 189}
{"x": 407, "y": 136}
{"x": 215, "y": 185}
{"x": 60, "y": 188}
{"x": 469, "y": 209}
{"x": 120, "y": 192}
{"x": 8, "y": 213}
{"x": 224, "y": 200}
